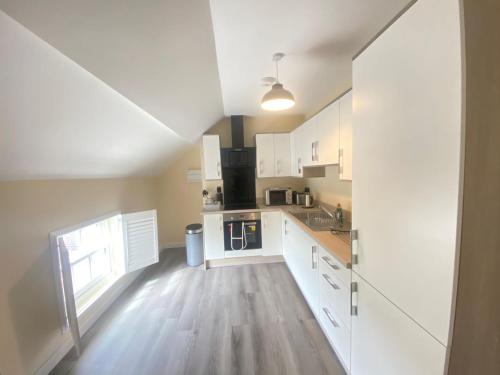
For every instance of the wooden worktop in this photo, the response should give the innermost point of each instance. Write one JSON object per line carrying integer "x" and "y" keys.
{"x": 338, "y": 245}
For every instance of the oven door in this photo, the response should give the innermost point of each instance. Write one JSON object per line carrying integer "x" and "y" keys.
{"x": 241, "y": 236}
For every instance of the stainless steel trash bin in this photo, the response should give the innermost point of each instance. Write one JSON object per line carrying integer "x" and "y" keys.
{"x": 194, "y": 244}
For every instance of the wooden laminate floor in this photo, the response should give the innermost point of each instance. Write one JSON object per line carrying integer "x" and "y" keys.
{"x": 175, "y": 319}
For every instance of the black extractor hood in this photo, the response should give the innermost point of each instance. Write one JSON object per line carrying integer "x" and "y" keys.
{"x": 238, "y": 169}
{"x": 238, "y": 155}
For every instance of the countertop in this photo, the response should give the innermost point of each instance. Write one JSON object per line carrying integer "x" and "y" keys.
{"x": 336, "y": 244}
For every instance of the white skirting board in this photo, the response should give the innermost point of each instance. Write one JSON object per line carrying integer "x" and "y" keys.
{"x": 88, "y": 318}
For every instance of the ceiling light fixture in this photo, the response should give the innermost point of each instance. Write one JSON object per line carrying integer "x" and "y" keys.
{"x": 277, "y": 99}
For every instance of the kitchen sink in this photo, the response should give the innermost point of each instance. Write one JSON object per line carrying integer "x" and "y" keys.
{"x": 318, "y": 220}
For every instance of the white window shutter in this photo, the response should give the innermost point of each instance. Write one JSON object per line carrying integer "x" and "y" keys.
{"x": 140, "y": 232}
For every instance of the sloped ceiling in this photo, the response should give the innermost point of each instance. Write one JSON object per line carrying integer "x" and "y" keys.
{"x": 119, "y": 87}
{"x": 319, "y": 38}
{"x": 58, "y": 120}
{"x": 160, "y": 54}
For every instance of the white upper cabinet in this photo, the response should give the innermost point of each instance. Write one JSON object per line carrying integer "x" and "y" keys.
{"x": 406, "y": 164}
{"x": 307, "y": 143}
{"x": 345, "y": 148}
{"x": 317, "y": 140}
{"x": 211, "y": 157}
{"x": 271, "y": 233}
{"x": 273, "y": 155}
{"x": 327, "y": 135}
{"x": 282, "y": 155}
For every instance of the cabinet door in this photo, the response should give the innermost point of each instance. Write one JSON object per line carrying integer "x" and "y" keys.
{"x": 271, "y": 233}
{"x": 211, "y": 157}
{"x": 345, "y": 151}
{"x": 307, "y": 143}
{"x": 406, "y": 168}
{"x": 294, "y": 172}
{"x": 327, "y": 135}
{"x": 385, "y": 341}
{"x": 282, "y": 155}
{"x": 213, "y": 236}
{"x": 297, "y": 144}
{"x": 265, "y": 155}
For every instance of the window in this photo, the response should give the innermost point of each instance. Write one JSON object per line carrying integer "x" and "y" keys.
{"x": 95, "y": 253}
{"x": 89, "y": 258}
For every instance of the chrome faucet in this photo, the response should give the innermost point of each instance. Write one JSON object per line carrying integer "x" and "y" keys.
{"x": 323, "y": 208}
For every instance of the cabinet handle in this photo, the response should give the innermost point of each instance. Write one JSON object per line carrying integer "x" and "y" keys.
{"x": 299, "y": 162}
{"x": 316, "y": 151}
{"x": 354, "y": 249}
{"x": 313, "y": 252}
{"x": 354, "y": 298}
{"x": 330, "y": 317}
{"x": 286, "y": 231}
{"x": 312, "y": 151}
{"x": 218, "y": 168}
{"x": 329, "y": 281}
{"x": 329, "y": 262}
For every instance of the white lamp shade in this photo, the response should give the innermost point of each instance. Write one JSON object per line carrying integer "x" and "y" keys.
{"x": 277, "y": 99}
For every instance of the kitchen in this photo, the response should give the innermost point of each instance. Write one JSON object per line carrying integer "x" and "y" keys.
{"x": 341, "y": 159}
{"x": 347, "y": 275}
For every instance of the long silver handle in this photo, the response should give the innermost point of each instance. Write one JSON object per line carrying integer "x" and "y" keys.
{"x": 354, "y": 249}
{"x": 313, "y": 252}
{"x": 312, "y": 152}
{"x": 218, "y": 168}
{"x": 286, "y": 227}
{"x": 317, "y": 150}
{"x": 354, "y": 298}
{"x": 330, "y": 317}
{"x": 299, "y": 166}
{"x": 334, "y": 266}
{"x": 329, "y": 281}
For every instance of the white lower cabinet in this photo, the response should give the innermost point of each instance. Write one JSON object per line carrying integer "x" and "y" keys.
{"x": 301, "y": 255}
{"x": 213, "y": 236}
{"x": 385, "y": 341}
{"x": 325, "y": 284}
{"x": 271, "y": 233}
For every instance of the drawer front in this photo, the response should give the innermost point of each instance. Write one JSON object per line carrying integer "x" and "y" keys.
{"x": 335, "y": 293}
{"x": 338, "y": 269}
{"x": 338, "y": 334}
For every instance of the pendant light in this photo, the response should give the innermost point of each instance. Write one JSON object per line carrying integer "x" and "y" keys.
{"x": 277, "y": 99}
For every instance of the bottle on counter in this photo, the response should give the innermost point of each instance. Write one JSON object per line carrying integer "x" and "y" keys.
{"x": 339, "y": 214}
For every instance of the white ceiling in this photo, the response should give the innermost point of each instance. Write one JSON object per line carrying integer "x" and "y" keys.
{"x": 118, "y": 87}
{"x": 319, "y": 37}
{"x": 160, "y": 54}
{"x": 58, "y": 120}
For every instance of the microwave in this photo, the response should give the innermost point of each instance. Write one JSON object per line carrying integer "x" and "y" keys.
{"x": 278, "y": 196}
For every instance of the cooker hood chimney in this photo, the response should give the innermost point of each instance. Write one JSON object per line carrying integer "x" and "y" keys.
{"x": 237, "y": 135}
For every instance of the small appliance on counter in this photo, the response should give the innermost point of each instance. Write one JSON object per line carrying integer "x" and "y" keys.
{"x": 210, "y": 204}
{"x": 308, "y": 199}
{"x": 278, "y": 196}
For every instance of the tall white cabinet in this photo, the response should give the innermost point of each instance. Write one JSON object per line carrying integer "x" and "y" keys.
{"x": 405, "y": 192}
